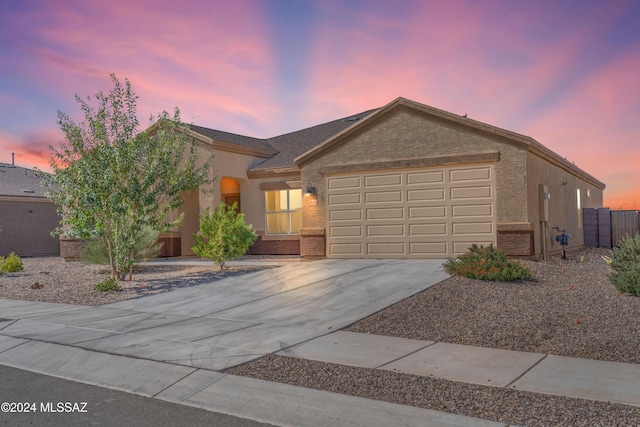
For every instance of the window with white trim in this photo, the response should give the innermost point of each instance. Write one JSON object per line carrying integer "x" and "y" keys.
{"x": 284, "y": 211}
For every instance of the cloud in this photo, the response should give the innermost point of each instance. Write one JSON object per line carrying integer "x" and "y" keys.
{"x": 31, "y": 150}
{"x": 212, "y": 58}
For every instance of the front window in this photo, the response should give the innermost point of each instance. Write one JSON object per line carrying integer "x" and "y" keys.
{"x": 284, "y": 211}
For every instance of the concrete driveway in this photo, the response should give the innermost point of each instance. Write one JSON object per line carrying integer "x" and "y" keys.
{"x": 231, "y": 321}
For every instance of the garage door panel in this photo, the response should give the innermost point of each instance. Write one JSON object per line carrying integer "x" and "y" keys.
{"x": 484, "y": 210}
{"x": 475, "y": 174}
{"x": 422, "y": 195}
{"x": 480, "y": 192}
{"x": 432, "y": 249}
{"x": 463, "y": 247}
{"x": 344, "y": 199}
{"x": 385, "y": 230}
{"x": 383, "y": 196}
{"x": 428, "y": 229}
{"x": 382, "y": 180}
{"x": 346, "y": 215}
{"x": 427, "y": 212}
{"x": 344, "y": 182}
{"x": 385, "y": 213}
{"x": 347, "y": 230}
{"x": 351, "y": 249}
{"x": 472, "y": 228}
{"x": 432, "y": 177}
{"x": 386, "y": 248}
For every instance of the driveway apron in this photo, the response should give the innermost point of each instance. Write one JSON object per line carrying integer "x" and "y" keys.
{"x": 231, "y": 321}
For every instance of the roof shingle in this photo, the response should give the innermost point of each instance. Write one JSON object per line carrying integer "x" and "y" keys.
{"x": 19, "y": 181}
{"x": 287, "y": 146}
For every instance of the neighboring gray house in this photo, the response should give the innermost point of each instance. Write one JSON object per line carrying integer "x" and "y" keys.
{"x": 27, "y": 217}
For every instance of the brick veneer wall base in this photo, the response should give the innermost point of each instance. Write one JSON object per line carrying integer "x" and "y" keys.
{"x": 274, "y": 247}
{"x": 71, "y": 249}
{"x": 172, "y": 247}
{"x": 516, "y": 243}
{"x": 312, "y": 246}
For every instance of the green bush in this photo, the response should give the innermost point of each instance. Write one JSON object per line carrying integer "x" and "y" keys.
{"x": 223, "y": 235}
{"x": 146, "y": 246}
{"x": 107, "y": 285}
{"x": 11, "y": 264}
{"x": 625, "y": 262}
{"x": 487, "y": 264}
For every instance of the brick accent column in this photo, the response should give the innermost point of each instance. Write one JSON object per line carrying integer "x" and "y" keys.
{"x": 516, "y": 243}
{"x": 71, "y": 249}
{"x": 312, "y": 242}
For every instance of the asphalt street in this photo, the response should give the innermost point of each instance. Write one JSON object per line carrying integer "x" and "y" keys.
{"x": 59, "y": 402}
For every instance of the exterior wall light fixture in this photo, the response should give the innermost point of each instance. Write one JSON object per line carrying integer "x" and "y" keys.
{"x": 310, "y": 191}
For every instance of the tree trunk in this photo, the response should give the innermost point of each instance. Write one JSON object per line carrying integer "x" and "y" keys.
{"x": 131, "y": 267}
{"x": 112, "y": 261}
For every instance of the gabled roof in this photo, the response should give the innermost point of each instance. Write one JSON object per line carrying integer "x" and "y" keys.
{"x": 18, "y": 181}
{"x": 291, "y": 145}
{"x": 525, "y": 142}
{"x": 406, "y": 104}
{"x": 282, "y": 149}
{"x": 218, "y": 135}
{"x": 292, "y": 150}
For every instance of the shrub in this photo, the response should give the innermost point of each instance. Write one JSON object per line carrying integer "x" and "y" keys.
{"x": 487, "y": 264}
{"x": 11, "y": 264}
{"x": 223, "y": 235}
{"x": 145, "y": 246}
{"x": 625, "y": 262}
{"x": 107, "y": 285}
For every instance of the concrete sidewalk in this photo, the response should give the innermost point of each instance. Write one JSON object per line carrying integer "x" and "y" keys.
{"x": 540, "y": 373}
{"x": 249, "y": 398}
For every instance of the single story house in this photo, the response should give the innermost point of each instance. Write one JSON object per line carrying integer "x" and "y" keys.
{"x": 27, "y": 217}
{"x": 403, "y": 181}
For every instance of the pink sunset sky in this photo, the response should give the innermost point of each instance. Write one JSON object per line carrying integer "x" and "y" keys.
{"x": 565, "y": 73}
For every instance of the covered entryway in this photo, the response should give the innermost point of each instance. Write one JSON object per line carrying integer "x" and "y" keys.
{"x": 230, "y": 192}
{"x": 411, "y": 213}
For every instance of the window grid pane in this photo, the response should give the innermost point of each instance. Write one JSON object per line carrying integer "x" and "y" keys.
{"x": 276, "y": 201}
{"x": 295, "y": 200}
{"x": 283, "y": 211}
{"x": 278, "y": 223}
{"x": 296, "y": 222}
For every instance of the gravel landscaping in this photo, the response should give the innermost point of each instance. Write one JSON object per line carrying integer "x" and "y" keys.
{"x": 53, "y": 280}
{"x": 569, "y": 308}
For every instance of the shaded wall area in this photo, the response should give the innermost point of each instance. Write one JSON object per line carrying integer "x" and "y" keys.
{"x": 25, "y": 228}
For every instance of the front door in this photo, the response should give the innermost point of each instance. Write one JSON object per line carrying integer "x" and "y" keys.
{"x": 230, "y": 200}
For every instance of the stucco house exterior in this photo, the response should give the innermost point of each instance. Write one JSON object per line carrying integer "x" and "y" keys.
{"x": 402, "y": 181}
{"x": 27, "y": 217}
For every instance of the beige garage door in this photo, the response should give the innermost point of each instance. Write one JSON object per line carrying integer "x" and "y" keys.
{"x": 410, "y": 213}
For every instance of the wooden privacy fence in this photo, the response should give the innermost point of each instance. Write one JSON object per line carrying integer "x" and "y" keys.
{"x": 605, "y": 228}
{"x": 623, "y": 223}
